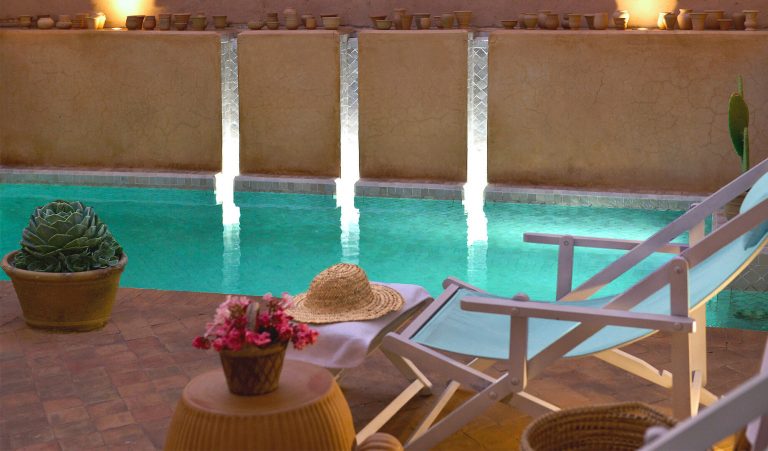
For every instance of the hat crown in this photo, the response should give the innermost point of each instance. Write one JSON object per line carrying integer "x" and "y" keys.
{"x": 341, "y": 285}
{"x": 343, "y": 293}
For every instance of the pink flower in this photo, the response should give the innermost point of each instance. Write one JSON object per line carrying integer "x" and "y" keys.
{"x": 201, "y": 343}
{"x": 258, "y": 339}
{"x": 230, "y": 329}
{"x": 218, "y": 344}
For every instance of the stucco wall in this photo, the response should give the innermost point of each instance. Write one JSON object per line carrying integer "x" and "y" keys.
{"x": 289, "y": 102}
{"x": 413, "y": 104}
{"x": 627, "y": 110}
{"x": 110, "y": 99}
{"x": 356, "y": 12}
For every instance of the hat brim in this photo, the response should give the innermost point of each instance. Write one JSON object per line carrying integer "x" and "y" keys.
{"x": 385, "y": 300}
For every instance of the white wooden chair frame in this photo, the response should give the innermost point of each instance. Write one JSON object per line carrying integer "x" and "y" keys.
{"x": 746, "y": 403}
{"x": 688, "y": 332}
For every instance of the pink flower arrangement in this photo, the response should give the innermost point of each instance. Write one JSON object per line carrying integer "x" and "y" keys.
{"x": 242, "y": 321}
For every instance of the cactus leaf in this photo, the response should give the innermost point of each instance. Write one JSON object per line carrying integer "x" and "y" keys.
{"x": 745, "y": 152}
{"x": 738, "y": 120}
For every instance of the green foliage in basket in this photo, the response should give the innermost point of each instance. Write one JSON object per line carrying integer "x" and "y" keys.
{"x": 66, "y": 237}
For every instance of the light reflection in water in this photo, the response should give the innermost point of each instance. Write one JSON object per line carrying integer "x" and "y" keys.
{"x": 350, "y": 222}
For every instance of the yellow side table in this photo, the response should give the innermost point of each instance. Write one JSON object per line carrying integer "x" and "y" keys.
{"x": 307, "y": 411}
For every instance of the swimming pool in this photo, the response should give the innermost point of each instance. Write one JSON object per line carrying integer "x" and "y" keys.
{"x": 176, "y": 239}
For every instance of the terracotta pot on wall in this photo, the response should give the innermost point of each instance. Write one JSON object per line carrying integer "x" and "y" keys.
{"x": 713, "y": 15}
{"x": 684, "y": 19}
{"x": 698, "y": 21}
{"x": 601, "y": 21}
{"x": 45, "y": 23}
{"x": 149, "y": 23}
{"x": 750, "y": 23}
{"x": 738, "y": 20}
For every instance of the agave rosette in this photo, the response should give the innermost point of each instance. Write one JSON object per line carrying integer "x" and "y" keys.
{"x": 66, "y": 237}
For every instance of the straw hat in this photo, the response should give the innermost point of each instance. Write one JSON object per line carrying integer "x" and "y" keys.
{"x": 343, "y": 293}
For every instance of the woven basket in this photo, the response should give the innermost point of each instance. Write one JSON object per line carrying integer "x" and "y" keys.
{"x": 252, "y": 370}
{"x": 613, "y": 426}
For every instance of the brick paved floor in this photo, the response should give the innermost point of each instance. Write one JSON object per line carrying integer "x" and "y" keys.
{"x": 117, "y": 387}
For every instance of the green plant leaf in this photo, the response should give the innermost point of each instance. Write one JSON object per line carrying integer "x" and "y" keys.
{"x": 66, "y": 237}
{"x": 738, "y": 120}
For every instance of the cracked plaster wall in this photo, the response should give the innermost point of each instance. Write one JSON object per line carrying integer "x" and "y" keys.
{"x": 633, "y": 110}
{"x": 486, "y": 12}
{"x": 289, "y": 102}
{"x": 114, "y": 100}
{"x": 413, "y": 105}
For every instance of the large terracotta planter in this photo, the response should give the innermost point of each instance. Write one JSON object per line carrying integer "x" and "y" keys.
{"x": 73, "y": 302}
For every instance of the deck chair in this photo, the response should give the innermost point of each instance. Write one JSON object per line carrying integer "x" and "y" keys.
{"x": 747, "y": 403}
{"x": 528, "y": 335}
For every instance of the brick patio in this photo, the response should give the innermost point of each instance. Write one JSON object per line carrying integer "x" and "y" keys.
{"x": 116, "y": 388}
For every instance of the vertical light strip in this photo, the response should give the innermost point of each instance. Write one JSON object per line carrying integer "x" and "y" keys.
{"x": 350, "y": 171}
{"x": 477, "y": 113}
{"x": 350, "y": 151}
{"x": 477, "y": 166}
{"x": 230, "y": 164}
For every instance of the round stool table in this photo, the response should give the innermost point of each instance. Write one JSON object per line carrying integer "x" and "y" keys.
{"x": 307, "y": 411}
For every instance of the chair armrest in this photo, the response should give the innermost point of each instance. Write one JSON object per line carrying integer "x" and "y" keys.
{"x": 602, "y": 243}
{"x": 565, "y": 312}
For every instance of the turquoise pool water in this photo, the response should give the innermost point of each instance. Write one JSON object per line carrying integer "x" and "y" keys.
{"x": 175, "y": 240}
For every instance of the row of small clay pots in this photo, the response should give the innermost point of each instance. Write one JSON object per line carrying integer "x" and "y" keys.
{"x": 548, "y": 20}
{"x": 292, "y": 21}
{"x": 708, "y": 20}
{"x": 686, "y": 20}
{"x": 403, "y": 21}
{"x": 65, "y": 22}
{"x": 423, "y": 21}
{"x": 179, "y": 21}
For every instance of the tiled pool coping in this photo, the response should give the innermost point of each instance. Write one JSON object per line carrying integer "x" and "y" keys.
{"x": 364, "y": 187}
{"x": 606, "y": 199}
{"x": 301, "y": 185}
{"x": 182, "y": 180}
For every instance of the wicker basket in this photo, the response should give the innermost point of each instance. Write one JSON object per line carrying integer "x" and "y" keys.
{"x": 252, "y": 370}
{"x": 613, "y": 426}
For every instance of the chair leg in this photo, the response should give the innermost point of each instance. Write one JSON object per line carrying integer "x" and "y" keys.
{"x": 695, "y": 392}
{"x": 437, "y": 406}
{"x": 636, "y": 366}
{"x": 392, "y": 408}
{"x": 420, "y": 384}
{"x": 662, "y": 378}
{"x": 707, "y": 397}
{"x": 409, "y": 370}
{"x": 699, "y": 342}
{"x": 465, "y": 413}
{"x": 441, "y": 401}
{"x": 682, "y": 376}
{"x": 531, "y": 405}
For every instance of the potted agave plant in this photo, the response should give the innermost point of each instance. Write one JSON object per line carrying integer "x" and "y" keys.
{"x": 68, "y": 269}
{"x": 738, "y": 126}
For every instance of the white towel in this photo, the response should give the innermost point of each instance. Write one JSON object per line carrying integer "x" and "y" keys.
{"x": 346, "y": 344}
